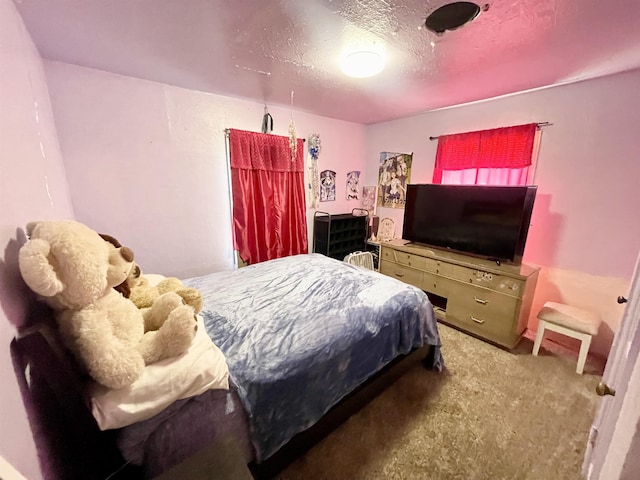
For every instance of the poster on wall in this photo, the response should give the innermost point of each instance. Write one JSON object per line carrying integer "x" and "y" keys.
{"x": 327, "y": 186}
{"x": 369, "y": 194}
{"x": 353, "y": 185}
{"x": 393, "y": 177}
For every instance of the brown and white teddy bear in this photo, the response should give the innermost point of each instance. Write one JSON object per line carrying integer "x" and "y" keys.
{"x": 143, "y": 294}
{"x": 74, "y": 270}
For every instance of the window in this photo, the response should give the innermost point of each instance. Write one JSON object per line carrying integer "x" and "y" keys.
{"x": 502, "y": 156}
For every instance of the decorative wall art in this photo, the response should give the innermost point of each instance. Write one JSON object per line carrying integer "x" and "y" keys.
{"x": 315, "y": 147}
{"x": 293, "y": 136}
{"x": 393, "y": 177}
{"x": 327, "y": 186}
{"x": 369, "y": 194}
{"x": 353, "y": 185}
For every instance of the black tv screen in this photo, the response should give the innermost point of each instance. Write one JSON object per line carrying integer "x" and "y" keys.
{"x": 486, "y": 221}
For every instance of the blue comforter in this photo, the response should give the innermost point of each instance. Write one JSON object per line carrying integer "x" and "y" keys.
{"x": 300, "y": 333}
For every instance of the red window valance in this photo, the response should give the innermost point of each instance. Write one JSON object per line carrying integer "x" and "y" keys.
{"x": 264, "y": 151}
{"x": 507, "y": 147}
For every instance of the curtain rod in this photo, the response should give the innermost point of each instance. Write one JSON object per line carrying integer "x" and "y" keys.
{"x": 227, "y": 130}
{"x": 539, "y": 124}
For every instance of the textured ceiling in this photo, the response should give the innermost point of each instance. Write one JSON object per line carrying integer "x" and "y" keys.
{"x": 264, "y": 50}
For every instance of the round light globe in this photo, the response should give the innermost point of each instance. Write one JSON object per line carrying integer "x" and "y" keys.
{"x": 362, "y": 64}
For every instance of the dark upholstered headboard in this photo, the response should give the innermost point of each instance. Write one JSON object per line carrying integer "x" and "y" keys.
{"x": 69, "y": 442}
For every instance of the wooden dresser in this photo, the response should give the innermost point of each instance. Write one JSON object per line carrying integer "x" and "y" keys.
{"x": 478, "y": 296}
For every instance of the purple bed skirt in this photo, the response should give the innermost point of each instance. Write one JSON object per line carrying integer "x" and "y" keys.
{"x": 187, "y": 426}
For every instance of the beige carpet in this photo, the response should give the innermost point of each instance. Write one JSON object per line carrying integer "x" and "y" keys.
{"x": 491, "y": 414}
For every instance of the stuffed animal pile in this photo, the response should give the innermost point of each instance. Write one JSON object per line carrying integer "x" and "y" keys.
{"x": 73, "y": 269}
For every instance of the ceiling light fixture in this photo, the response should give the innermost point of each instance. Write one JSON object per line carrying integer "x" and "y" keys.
{"x": 363, "y": 64}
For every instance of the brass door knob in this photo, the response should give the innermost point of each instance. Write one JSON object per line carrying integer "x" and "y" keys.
{"x": 603, "y": 389}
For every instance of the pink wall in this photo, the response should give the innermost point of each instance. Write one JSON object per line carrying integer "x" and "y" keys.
{"x": 32, "y": 186}
{"x": 585, "y": 228}
{"x": 146, "y": 162}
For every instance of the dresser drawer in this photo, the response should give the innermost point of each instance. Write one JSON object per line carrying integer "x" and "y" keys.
{"x": 438, "y": 267}
{"x": 416, "y": 261}
{"x": 432, "y": 283}
{"x": 489, "y": 314}
{"x": 387, "y": 253}
{"x": 403, "y": 258}
{"x": 401, "y": 272}
{"x": 481, "y": 278}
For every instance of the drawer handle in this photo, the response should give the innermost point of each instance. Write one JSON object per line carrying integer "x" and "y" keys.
{"x": 477, "y": 320}
{"x": 480, "y": 301}
{"x": 398, "y": 274}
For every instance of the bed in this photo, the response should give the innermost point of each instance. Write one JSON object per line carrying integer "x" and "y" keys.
{"x": 303, "y": 336}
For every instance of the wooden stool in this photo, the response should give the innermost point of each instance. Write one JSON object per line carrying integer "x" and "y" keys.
{"x": 570, "y": 321}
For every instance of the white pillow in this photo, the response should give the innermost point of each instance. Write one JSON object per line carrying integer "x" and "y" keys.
{"x": 201, "y": 368}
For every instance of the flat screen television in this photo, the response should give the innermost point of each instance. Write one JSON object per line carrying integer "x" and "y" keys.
{"x": 486, "y": 221}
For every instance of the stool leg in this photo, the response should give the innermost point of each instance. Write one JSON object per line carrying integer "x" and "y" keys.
{"x": 584, "y": 349}
{"x": 539, "y": 335}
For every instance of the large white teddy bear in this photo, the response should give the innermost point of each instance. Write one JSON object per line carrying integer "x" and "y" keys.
{"x": 73, "y": 270}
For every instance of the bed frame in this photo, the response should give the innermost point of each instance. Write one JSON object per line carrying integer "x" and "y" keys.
{"x": 71, "y": 445}
{"x": 67, "y": 437}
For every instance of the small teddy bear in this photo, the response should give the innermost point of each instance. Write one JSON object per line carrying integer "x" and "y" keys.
{"x": 138, "y": 289}
{"x": 72, "y": 269}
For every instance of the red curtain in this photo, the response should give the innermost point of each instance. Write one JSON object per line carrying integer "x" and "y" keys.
{"x": 269, "y": 218}
{"x": 508, "y": 147}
